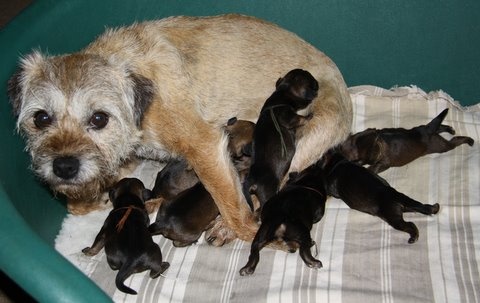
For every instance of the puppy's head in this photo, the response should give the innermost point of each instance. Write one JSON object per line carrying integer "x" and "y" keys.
{"x": 240, "y": 133}
{"x": 80, "y": 115}
{"x": 128, "y": 187}
{"x": 300, "y": 84}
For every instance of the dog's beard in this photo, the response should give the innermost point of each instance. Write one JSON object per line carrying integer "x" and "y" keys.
{"x": 93, "y": 177}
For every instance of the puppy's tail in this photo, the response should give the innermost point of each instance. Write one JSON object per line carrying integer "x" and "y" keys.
{"x": 125, "y": 271}
{"x": 434, "y": 125}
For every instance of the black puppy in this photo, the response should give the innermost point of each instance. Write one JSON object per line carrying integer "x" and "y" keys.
{"x": 274, "y": 134}
{"x": 363, "y": 190}
{"x": 128, "y": 243}
{"x": 183, "y": 217}
{"x": 289, "y": 216}
{"x": 384, "y": 148}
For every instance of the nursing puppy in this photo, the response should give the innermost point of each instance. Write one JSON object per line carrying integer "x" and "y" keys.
{"x": 364, "y": 191}
{"x": 274, "y": 135}
{"x": 162, "y": 89}
{"x": 128, "y": 244}
{"x": 384, "y": 148}
{"x": 185, "y": 215}
{"x": 289, "y": 216}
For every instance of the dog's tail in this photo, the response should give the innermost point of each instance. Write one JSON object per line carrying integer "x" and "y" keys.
{"x": 434, "y": 125}
{"x": 125, "y": 271}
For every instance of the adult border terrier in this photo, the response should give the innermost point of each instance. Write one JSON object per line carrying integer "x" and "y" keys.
{"x": 162, "y": 89}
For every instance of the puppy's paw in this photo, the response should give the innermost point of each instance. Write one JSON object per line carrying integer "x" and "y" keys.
{"x": 220, "y": 233}
{"x": 246, "y": 271}
{"x": 435, "y": 208}
{"x": 89, "y": 251}
{"x": 315, "y": 264}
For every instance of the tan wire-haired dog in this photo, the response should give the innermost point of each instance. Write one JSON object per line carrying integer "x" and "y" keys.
{"x": 164, "y": 88}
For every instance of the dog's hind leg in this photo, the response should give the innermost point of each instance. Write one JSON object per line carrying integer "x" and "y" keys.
{"x": 438, "y": 144}
{"x": 155, "y": 263}
{"x": 410, "y": 205}
{"x": 265, "y": 234}
{"x": 393, "y": 215}
{"x": 445, "y": 129}
{"x": 306, "y": 254}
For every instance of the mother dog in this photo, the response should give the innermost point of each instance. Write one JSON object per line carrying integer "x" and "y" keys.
{"x": 163, "y": 89}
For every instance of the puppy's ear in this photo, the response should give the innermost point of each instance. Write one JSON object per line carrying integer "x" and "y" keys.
{"x": 147, "y": 194}
{"x": 112, "y": 196}
{"x": 14, "y": 90}
{"x": 232, "y": 121}
{"x": 144, "y": 91}
{"x": 279, "y": 81}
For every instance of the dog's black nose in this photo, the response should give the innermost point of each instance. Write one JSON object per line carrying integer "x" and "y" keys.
{"x": 66, "y": 167}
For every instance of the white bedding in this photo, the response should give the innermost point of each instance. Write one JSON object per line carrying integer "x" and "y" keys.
{"x": 364, "y": 259}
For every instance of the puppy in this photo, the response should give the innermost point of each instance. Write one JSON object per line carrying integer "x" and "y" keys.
{"x": 365, "y": 191}
{"x": 128, "y": 244}
{"x": 384, "y": 148}
{"x": 289, "y": 215}
{"x": 174, "y": 178}
{"x": 274, "y": 134}
{"x": 87, "y": 114}
{"x": 184, "y": 216}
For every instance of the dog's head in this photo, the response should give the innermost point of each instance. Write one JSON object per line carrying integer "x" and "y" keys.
{"x": 132, "y": 189}
{"x": 81, "y": 116}
{"x": 300, "y": 84}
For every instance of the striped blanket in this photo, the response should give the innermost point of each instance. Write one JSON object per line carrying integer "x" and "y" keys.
{"x": 364, "y": 259}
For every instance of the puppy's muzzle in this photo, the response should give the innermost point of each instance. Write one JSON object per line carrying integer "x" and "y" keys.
{"x": 66, "y": 167}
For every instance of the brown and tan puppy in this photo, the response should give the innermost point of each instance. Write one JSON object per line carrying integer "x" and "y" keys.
{"x": 162, "y": 89}
{"x": 128, "y": 244}
{"x": 384, "y": 148}
{"x": 189, "y": 209}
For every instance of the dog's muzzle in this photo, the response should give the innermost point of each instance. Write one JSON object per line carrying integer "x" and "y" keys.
{"x": 66, "y": 167}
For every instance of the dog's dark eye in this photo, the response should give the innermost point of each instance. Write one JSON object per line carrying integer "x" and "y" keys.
{"x": 41, "y": 119}
{"x": 99, "y": 120}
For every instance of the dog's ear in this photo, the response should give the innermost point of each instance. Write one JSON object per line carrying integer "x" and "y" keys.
{"x": 14, "y": 90}
{"x": 278, "y": 83}
{"x": 147, "y": 194}
{"x": 231, "y": 121}
{"x": 112, "y": 196}
{"x": 144, "y": 91}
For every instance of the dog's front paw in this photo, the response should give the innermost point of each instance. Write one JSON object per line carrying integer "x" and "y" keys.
{"x": 220, "y": 233}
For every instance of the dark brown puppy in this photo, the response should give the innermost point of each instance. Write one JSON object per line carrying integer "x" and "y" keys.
{"x": 384, "y": 148}
{"x": 274, "y": 134}
{"x": 289, "y": 216}
{"x": 128, "y": 244}
{"x": 185, "y": 215}
{"x": 363, "y": 190}
{"x": 174, "y": 178}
